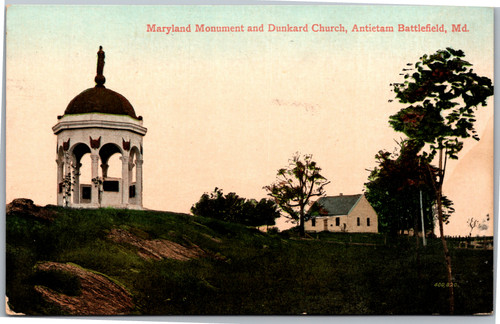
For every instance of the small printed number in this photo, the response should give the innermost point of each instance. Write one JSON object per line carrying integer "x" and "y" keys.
{"x": 445, "y": 285}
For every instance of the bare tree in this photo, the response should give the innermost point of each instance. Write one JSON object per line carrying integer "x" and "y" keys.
{"x": 295, "y": 185}
{"x": 473, "y": 223}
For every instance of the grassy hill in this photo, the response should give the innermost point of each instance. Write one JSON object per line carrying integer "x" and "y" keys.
{"x": 167, "y": 263}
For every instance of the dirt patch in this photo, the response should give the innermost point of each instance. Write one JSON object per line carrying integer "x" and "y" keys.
{"x": 25, "y": 207}
{"x": 157, "y": 249}
{"x": 99, "y": 295}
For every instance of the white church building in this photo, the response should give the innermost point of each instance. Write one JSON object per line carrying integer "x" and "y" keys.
{"x": 342, "y": 213}
{"x": 101, "y": 123}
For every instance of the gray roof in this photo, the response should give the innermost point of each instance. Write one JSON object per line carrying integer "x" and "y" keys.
{"x": 338, "y": 205}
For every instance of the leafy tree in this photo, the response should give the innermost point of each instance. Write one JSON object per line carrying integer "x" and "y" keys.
{"x": 232, "y": 208}
{"x": 263, "y": 212}
{"x": 443, "y": 93}
{"x": 295, "y": 185}
{"x": 394, "y": 189}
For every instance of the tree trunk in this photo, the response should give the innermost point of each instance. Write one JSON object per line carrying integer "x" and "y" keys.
{"x": 302, "y": 232}
{"x": 447, "y": 257}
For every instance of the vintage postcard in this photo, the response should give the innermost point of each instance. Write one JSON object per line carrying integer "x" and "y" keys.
{"x": 249, "y": 160}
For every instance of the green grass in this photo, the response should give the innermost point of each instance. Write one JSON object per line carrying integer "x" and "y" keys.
{"x": 245, "y": 271}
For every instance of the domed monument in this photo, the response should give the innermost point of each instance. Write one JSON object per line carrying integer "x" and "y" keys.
{"x": 102, "y": 123}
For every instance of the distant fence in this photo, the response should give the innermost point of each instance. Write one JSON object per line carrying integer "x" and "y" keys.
{"x": 467, "y": 242}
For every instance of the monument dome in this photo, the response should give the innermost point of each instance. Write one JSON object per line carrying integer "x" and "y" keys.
{"x": 100, "y": 100}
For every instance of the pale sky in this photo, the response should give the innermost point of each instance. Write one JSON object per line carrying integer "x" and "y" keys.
{"x": 228, "y": 110}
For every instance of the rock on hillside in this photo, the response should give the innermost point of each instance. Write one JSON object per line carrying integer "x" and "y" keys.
{"x": 26, "y": 208}
{"x": 99, "y": 295}
{"x": 156, "y": 249}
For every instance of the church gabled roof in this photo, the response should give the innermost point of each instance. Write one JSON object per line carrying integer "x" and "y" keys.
{"x": 99, "y": 99}
{"x": 336, "y": 205}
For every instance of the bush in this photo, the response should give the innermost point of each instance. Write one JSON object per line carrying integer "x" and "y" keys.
{"x": 235, "y": 209}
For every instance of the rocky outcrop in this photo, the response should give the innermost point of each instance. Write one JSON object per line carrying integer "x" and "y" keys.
{"x": 99, "y": 295}
{"x": 25, "y": 207}
{"x": 156, "y": 249}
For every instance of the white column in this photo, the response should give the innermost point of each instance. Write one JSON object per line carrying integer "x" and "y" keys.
{"x": 125, "y": 182}
{"x": 67, "y": 193}
{"x": 131, "y": 165}
{"x": 104, "y": 168}
{"x": 95, "y": 173}
{"x": 138, "y": 182}
{"x": 76, "y": 192}
{"x": 130, "y": 168}
{"x": 60, "y": 175}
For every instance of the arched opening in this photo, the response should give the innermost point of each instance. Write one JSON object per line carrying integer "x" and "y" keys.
{"x": 114, "y": 166}
{"x": 85, "y": 179}
{"x": 112, "y": 173}
{"x": 134, "y": 156}
{"x": 81, "y": 188}
{"x": 135, "y": 187}
{"x": 110, "y": 160}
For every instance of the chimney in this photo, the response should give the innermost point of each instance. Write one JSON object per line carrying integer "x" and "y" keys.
{"x": 341, "y": 194}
